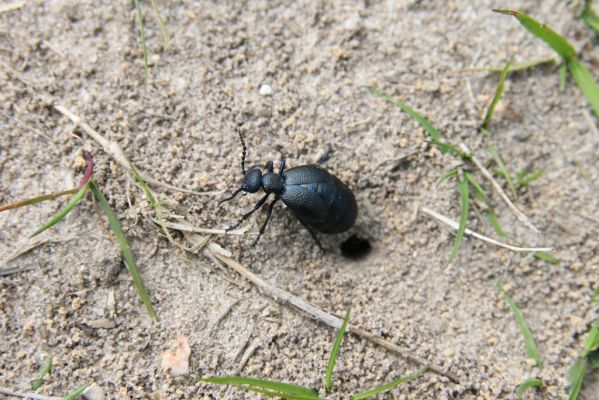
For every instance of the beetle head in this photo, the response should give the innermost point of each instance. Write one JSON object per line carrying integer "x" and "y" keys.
{"x": 252, "y": 181}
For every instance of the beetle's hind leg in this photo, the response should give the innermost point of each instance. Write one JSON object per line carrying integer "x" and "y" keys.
{"x": 247, "y": 215}
{"x": 268, "y": 215}
{"x": 313, "y": 234}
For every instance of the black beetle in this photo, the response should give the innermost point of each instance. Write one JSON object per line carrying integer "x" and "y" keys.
{"x": 318, "y": 199}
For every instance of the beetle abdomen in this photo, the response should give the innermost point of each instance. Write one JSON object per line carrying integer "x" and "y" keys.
{"x": 319, "y": 199}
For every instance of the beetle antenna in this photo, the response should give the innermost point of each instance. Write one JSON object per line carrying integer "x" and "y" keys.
{"x": 244, "y": 149}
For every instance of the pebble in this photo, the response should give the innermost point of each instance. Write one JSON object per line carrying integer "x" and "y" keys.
{"x": 265, "y": 90}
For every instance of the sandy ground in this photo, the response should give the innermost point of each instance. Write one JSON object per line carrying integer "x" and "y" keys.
{"x": 76, "y": 301}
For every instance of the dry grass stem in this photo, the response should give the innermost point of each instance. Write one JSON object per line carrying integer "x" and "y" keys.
{"x": 497, "y": 187}
{"x": 470, "y": 232}
{"x": 115, "y": 151}
{"x": 326, "y": 318}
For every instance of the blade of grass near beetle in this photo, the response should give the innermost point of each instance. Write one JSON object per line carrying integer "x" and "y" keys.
{"x": 115, "y": 225}
{"x": 531, "y": 347}
{"x": 586, "y": 83}
{"x": 543, "y": 255}
{"x": 498, "y": 94}
{"x": 391, "y": 385}
{"x": 334, "y": 351}
{"x": 464, "y": 196}
{"x": 527, "y": 384}
{"x": 576, "y": 374}
{"x": 543, "y": 32}
{"x": 45, "y": 370}
{"x": 436, "y": 137}
{"x": 271, "y": 388}
{"x": 163, "y": 29}
{"x": 62, "y": 213}
{"x": 38, "y": 199}
{"x": 142, "y": 35}
{"x": 75, "y": 394}
{"x": 589, "y": 16}
{"x": 503, "y": 169}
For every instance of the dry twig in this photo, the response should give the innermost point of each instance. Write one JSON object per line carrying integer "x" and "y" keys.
{"x": 327, "y": 318}
{"x": 33, "y": 396}
{"x": 455, "y": 225}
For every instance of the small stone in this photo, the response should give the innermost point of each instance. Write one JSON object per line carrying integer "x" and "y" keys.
{"x": 175, "y": 360}
{"x": 93, "y": 392}
{"x": 265, "y": 90}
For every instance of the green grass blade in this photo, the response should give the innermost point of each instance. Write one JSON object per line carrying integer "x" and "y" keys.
{"x": 436, "y": 137}
{"x": 586, "y": 83}
{"x": 271, "y": 388}
{"x": 494, "y": 222}
{"x": 479, "y": 192}
{"x": 589, "y": 17}
{"x": 463, "y": 191}
{"x": 563, "y": 76}
{"x": 503, "y": 170}
{"x": 38, "y": 199}
{"x": 592, "y": 342}
{"x": 142, "y": 35}
{"x": 576, "y": 374}
{"x": 62, "y": 213}
{"x": 452, "y": 172}
{"x": 163, "y": 30}
{"x": 75, "y": 394}
{"x": 545, "y": 33}
{"x": 391, "y": 385}
{"x": 425, "y": 123}
{"x": 152, "y": 199}
{"x": 498, "y": 93}
{"x": 518, "y": 66}
{"x": 45, "y": 370}
{"x": 334, "y": 351}
{"x": 543, "y": 255}
{"x": 523, "y": 180}
{"x": 531, "y": 347}
{"x": 115, "y": 225}
{"x": 527, "y": 384}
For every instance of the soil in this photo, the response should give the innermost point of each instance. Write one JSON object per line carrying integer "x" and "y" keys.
{"x": 75, "y": 301}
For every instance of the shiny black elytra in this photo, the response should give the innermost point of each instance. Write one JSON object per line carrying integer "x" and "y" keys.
{"x": 318, "y": 199}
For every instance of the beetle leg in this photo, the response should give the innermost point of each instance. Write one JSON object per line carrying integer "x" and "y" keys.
{"x": 268, "y": 214}
{"x": 235, "y": 193}
{"x": 313, "y": 234}
{"x": 247, "y": 215}
{"x": 269, "y": 166}
{"x": 281, "y": 167}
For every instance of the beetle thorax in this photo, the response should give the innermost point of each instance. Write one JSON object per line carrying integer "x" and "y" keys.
{"x": 273, "y": 183}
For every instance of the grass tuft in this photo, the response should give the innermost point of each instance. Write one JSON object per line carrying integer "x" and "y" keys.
{"x": 270, "y": 388}
{"x": 391, "y": 385}
{"x": 590, "y": 17}
{"x": 122, "y": 240}
{"x": 334, "y": 352}
{"x": 531, "y": 347}
{"x": 498, "y": 94}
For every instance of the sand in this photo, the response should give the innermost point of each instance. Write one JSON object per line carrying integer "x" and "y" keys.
{"x": 294, "y": 75}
